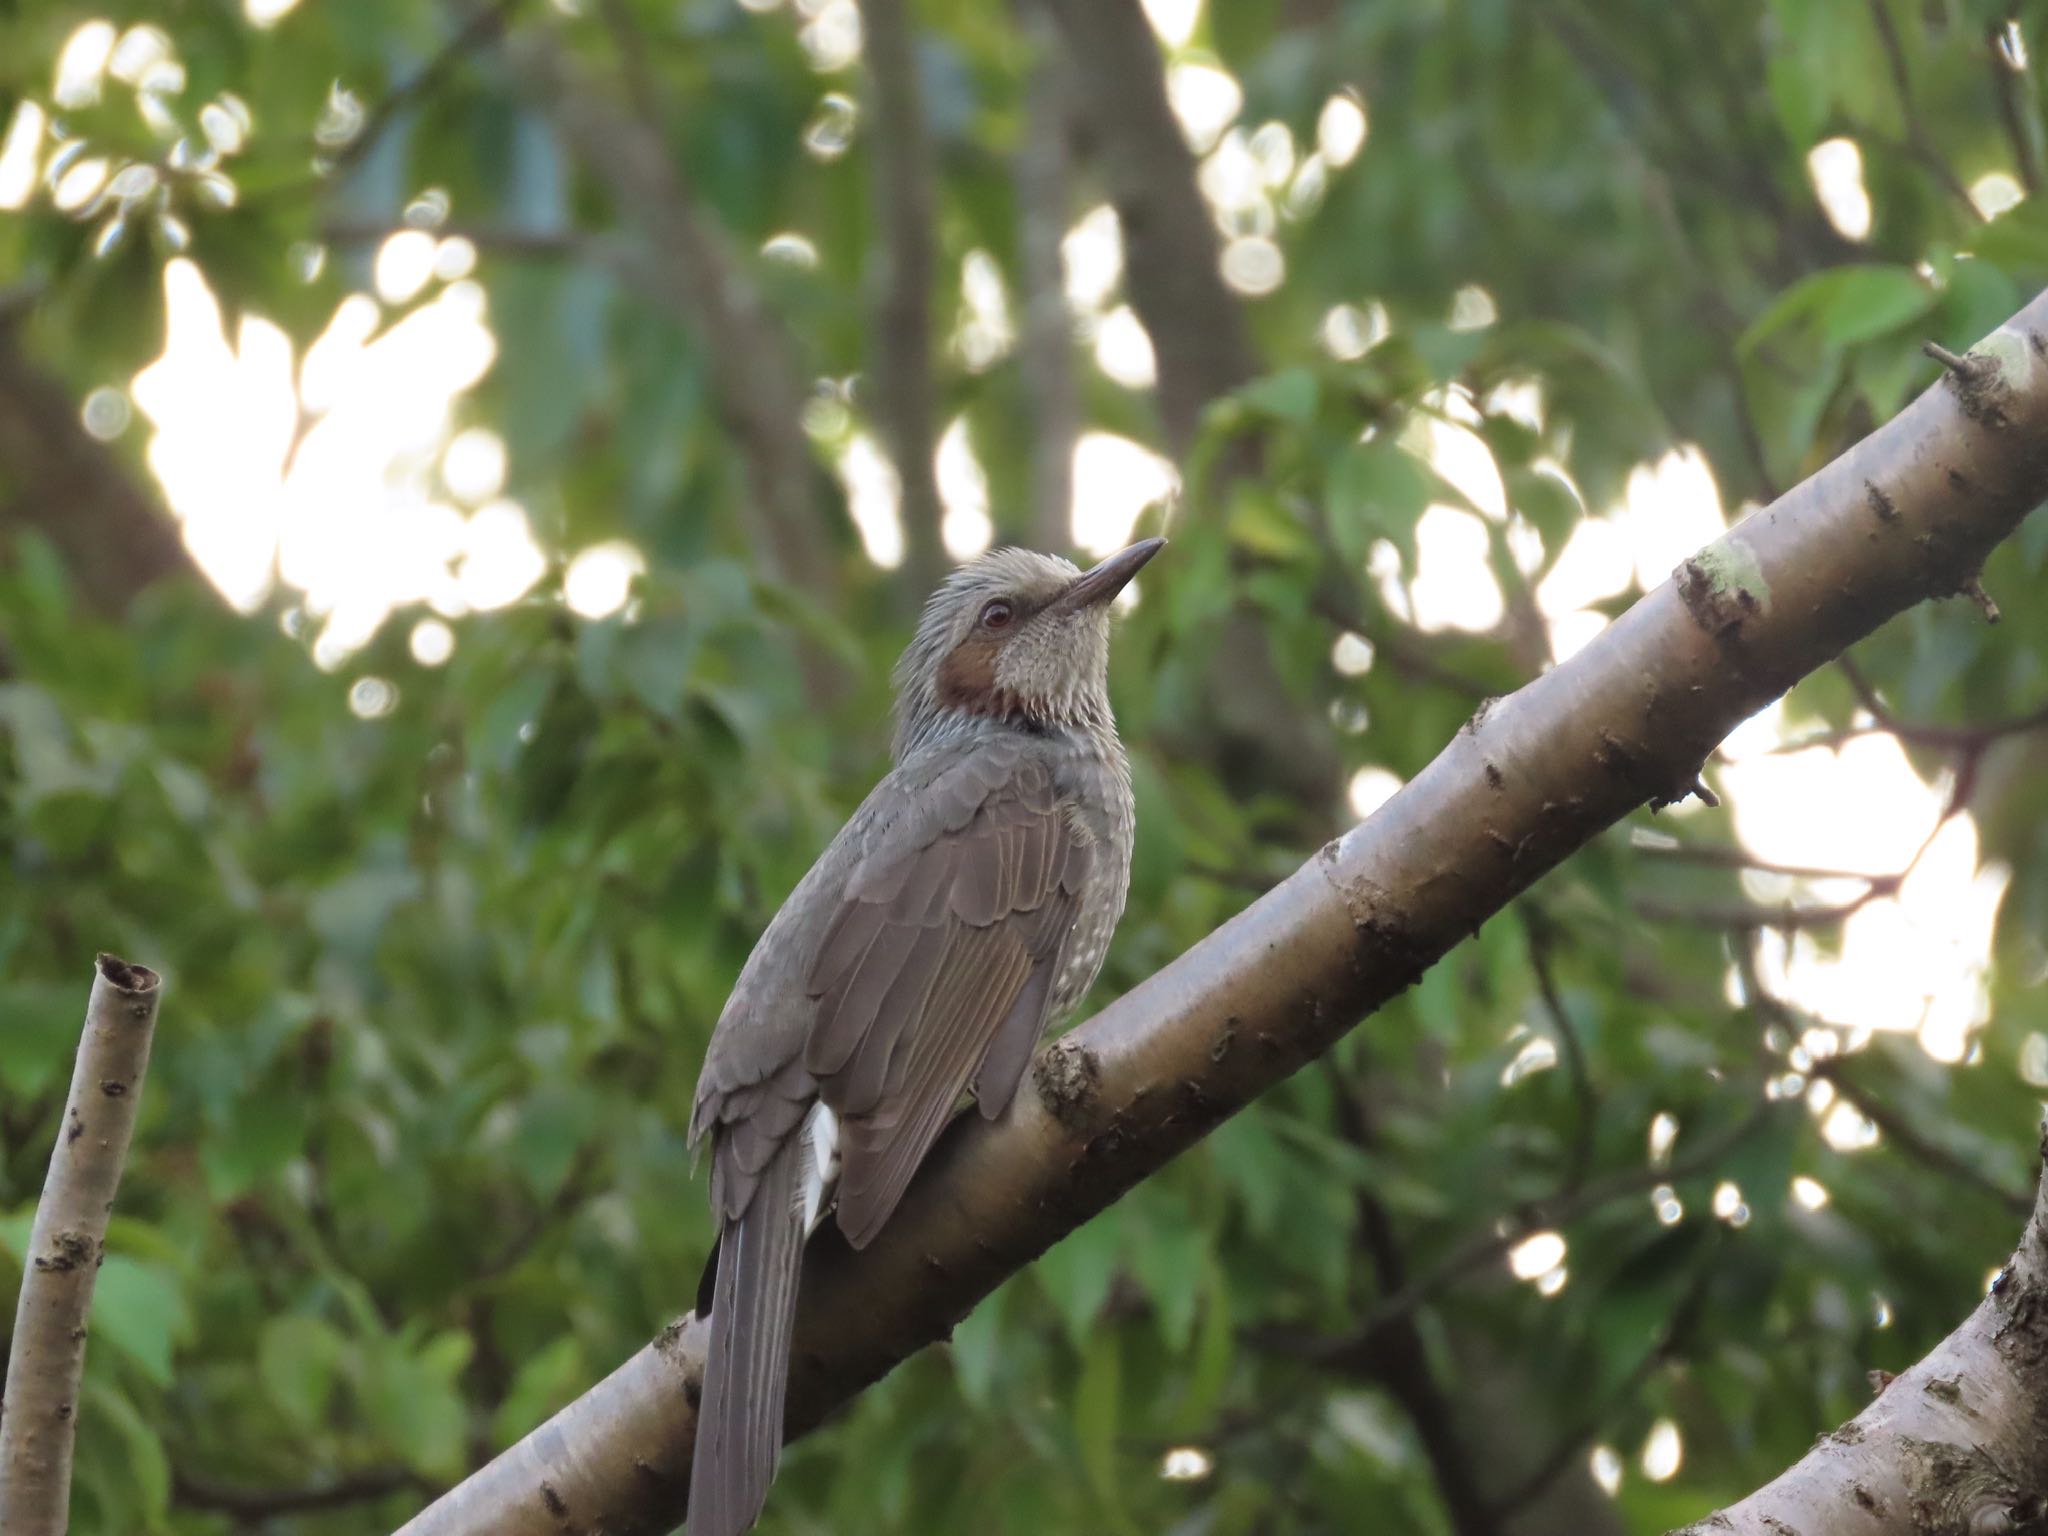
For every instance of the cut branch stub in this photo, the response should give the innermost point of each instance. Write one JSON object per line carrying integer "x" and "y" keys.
{"x": 38, "y": 1415}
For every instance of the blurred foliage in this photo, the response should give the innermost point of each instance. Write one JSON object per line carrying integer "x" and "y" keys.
{"x": 410, "y": 1170}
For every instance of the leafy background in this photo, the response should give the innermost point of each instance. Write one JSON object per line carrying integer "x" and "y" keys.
{"x": 410, "y": 1172}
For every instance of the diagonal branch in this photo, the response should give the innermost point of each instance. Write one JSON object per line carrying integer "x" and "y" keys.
{"x": 65, "y": 1247}
{"x": 1524, "y": 785}
{"x": 1958, "y": 1443}
{"x": 697, "y": 274}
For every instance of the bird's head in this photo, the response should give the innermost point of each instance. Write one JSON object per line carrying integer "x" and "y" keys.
{"x": 1017, "y": 636}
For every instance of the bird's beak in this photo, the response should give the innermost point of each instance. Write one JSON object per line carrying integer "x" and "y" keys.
{"x": 1110, "y": 577}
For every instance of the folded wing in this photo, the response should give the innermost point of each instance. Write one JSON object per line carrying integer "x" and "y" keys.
{"x": 936, "y": 970}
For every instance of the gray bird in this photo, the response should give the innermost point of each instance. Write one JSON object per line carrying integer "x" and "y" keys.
{"x": 964, "y": 908}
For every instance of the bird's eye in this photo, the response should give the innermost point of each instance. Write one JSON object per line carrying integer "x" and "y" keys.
{"x": 997, "y": 615}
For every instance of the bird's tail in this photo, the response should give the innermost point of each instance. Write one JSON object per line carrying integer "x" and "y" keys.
{"x": 746, "y": 1370}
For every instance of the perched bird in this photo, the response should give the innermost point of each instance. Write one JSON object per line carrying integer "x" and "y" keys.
{"x": 965, "y": 907}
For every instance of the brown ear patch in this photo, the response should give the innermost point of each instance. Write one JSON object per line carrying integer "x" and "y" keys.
{"x": 967, "y": 677}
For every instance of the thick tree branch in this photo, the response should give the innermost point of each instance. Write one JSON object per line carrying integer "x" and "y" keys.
{"x": 905, "y": 261}
{"x": 56, "y": 478}
{"x": 1956, "y": 1446}
{"x": 1202, "y": 351}
{"x": 1170, "y": 246}
{"x": 1525, "y": 784}
{"x": 1045, "y": 352}
{"x": 38, "y": 1415}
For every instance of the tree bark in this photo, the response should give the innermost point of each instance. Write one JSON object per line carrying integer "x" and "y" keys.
{"x": 1908, "y": 514}
{"x": 1956, "y": 1446}
{"x": 1170, "y": 245}
{"x": 1258, "y": 735}
{"x": 905, "y": 262}
{"x": 38, "y": 1415}
{"x": 113, "y": 537}
{"x": 1045, "y": 350}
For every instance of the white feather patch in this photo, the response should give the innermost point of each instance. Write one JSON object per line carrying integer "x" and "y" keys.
{"x": 820, "y": 1170}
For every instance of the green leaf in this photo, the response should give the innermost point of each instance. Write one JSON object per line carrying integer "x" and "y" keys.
{"x": 1075, "y": 1274}
{"x": 1378, "y": 490}
{"x": 140, "y": 1309}
{"x": 1098, "y": 1401}
{"x": 147, "y": 1467}
{"x": 1262, "y": 524}
{"x": 42, "y": 1023}
{"x": 1256, "y": 1164}
{"x": 412, "y": 1398}
{"x": 297, "y": 1360}
{"x": 1845, "y": 305}
{"x": 548, "y": 1380}
{"x": 976, "y": 1348}
{"x": 2017, "y": 240}
{"x": 1166, "y": 1254}
{"x": 1549, "y": 505}
{"x": 1215, "y": 1348}
{"x": 1289, "y": 395}
{"x": 266, "y": 1132}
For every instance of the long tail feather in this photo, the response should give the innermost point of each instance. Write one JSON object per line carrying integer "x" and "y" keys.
{"x": 746, "y": 1372}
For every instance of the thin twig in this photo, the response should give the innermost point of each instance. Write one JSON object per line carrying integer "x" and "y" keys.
{"x": 1919, "y": 141}
{"x": 1482, "y": 1249}
{"x": 1726, "y": 856}
{"x": 65, "y": 1248}
{"x": 1399, "y": 1362}
{"x": 193, "y": 1491}
{"x": 498, "y": 239}
{"x": 1537, "y": 932}
{"x": 1899, "y": 1131}
{"x": 1571, "y": 1445}
{"x": 1889, "y": 1122}
{"x": 476, "y": 30}
{"x": 1746, "y": 917}
{"x": 2016, "y": 109}
{"x": 568, "y": 1195}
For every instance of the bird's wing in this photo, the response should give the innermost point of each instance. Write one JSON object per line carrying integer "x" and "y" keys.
{"x": 935, "y": 972}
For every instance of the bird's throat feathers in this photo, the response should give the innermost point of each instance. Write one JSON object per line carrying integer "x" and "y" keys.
{"x": 970, "y": 681}
{"x": 1042, "y": 668}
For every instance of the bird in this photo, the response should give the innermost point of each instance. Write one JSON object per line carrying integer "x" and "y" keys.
{"x": 963, "y": 909}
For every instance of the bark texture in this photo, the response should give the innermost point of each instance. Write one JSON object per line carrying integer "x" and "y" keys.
{"x": 1170, "y": 246}
{"x": 62, "y": 482}
{"x": 1045, "y": 347}
{"x": 1956, "y": 1446}
{"x": 905, "y": 263}
{"x": 38, "y": 1415}
{"x": 1908, "y": 514}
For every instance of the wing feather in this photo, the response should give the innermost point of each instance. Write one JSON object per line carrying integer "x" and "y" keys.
{"x": 936, "y": 972}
